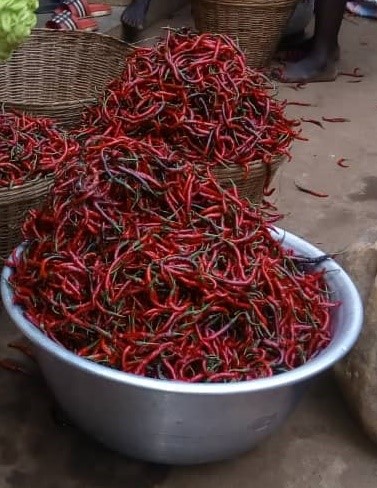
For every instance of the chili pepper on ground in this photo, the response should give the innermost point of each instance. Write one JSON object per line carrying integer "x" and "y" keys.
{"x": 341, "y": 162}
{"x": 311, "y": 192}
{"x": 335, "y": 119}
{"x": 353, "y": 74}
{"x": 301, "y": 104}
{"x": 22, "y": 347}
{"x": 13, "y": 366}
{"x": 313, "y": 121}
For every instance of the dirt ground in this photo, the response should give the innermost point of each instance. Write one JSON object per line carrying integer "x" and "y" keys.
{"x": 321, "y": 446}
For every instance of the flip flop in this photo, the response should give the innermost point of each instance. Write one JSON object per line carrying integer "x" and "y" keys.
{"x": 67, "y": 22}
{"x": 82, "y": 9}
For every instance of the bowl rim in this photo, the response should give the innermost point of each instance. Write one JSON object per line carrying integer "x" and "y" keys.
{"x": 334, "y": 352}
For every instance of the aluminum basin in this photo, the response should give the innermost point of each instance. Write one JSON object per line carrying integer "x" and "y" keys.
{"x": 177, "y": 423}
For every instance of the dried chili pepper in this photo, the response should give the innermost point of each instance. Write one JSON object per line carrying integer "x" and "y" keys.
{"x": 341, "y": 162}
{"x": 353, "y": 74}
{"x": 301, "y": 104}
{"x": 23, "y": 348}
{"x": 13, "y": 366}
{"x": 30, "y": 147}
{"x": 202, "y": 99}
{"x": 335, "y": 119}
{"x": 140, "y": 261}
{"x": 313, "y": 121}
{"x": 168, "y": 275}
{"x": 310, "y": 192}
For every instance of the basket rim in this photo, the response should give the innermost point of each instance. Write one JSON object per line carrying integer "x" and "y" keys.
{"x": 250, "y": 3}
{"x": 276, "y": 160}
{"x": 40, "y": 181}
{"x": 62, "y": 38}
{"x": 51, "y": 105}
{"x": 78, "y": 33}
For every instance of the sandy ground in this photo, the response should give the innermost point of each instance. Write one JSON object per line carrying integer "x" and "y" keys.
{"x": 321, "y": 446}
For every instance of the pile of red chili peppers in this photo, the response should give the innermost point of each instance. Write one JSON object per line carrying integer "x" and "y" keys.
{"x": 141, "y": 262}
{"x": 30, "y": 147}
{"x": 197, "y": 94}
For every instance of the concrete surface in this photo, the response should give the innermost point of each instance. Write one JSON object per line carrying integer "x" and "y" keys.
{"x": 321, "y": 446}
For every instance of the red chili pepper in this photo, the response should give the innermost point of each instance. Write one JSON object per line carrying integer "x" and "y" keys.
{"x": 31, "y": 147}
{"x": 311, "y": 192}
{"x": 341, "y": 162}
{"x": 24, "y": 348}
{"x": 354, "y": 74}
{"x": 301, "y": 104}
{"x": 13, "y": 366}
{"x": 335, "y": 119}
{"x": 140, "y": 260}
{"x": 313, "y": 121}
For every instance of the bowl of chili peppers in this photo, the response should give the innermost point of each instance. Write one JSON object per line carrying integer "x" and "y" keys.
{"x": 181, "y": 422}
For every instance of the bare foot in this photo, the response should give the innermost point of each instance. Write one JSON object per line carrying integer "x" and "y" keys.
{"x": 133, "y": 18}
{"x": 312, "y": 68}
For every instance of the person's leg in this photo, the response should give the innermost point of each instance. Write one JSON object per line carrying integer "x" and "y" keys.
{"x": 133, "y": 17}
{"x": 321, "y": 60}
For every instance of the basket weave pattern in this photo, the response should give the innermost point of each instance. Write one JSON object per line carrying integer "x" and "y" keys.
{"x": 56, "y": 74}
{"x": 249, "y": 184}
{"x": 14, "y": 204}
{"x": 257, "y": 24}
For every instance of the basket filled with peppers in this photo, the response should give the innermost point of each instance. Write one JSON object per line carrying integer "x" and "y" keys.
{"x": 30, "y": 151}
{"x": 168, "y": 312}
{"x": 197, "y": 93}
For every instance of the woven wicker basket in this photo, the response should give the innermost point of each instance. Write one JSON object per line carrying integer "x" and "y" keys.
{"x": 55, "y": 73}
{"x": 257, "y": 24}
{"x": 249, "y": 185}
{"x": 14, "y": 204}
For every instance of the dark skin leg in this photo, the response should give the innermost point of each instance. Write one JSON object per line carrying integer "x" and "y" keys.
{"x": 320, "y": 63}
{"x": 294, "y": 48}
{"x": 133, "y": 18}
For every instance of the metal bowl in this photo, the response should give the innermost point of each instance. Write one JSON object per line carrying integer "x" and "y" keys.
{"x": 179, "y": 423}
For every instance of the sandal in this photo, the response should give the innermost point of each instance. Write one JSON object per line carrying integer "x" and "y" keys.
{"x": 82, "y": 9}
{"x": 67, "y": 22}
